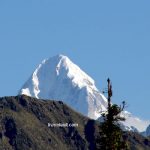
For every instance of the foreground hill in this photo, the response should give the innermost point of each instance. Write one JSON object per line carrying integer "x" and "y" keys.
{"x": 24, "y": 126}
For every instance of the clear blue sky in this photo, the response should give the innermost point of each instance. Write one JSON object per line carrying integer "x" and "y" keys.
{"x": 105, "y": 38}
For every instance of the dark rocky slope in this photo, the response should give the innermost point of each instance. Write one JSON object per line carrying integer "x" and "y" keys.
{"x": 24, "y": 126}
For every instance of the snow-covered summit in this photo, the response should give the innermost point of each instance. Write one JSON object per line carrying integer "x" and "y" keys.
{"x": 60, "y": 79}
{"x": 133, "y": 123}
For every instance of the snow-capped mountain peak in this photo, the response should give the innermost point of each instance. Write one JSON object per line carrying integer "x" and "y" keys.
{"x": 60, "y": 79}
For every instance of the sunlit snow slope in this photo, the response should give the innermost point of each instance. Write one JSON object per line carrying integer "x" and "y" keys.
{"x": 59, "y": 78}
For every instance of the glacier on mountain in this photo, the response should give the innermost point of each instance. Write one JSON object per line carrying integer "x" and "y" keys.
{"x": 58, "y": 78}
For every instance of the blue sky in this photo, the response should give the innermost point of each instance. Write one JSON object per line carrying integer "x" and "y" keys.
{"x": 105, "y": 38}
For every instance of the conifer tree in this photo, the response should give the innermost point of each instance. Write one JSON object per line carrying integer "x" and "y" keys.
{"x": 111, "y": 136}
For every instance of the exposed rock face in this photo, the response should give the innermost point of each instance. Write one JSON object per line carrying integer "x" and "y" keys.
{"x": 148, "y": 131}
